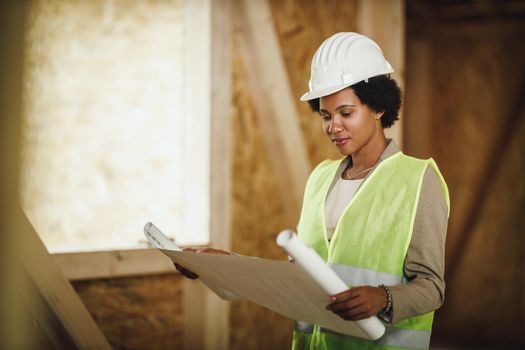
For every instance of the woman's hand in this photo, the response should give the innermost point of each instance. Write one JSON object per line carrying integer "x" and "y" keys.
{"x": 192, "y": 275}
{"x": 359, "y": 302}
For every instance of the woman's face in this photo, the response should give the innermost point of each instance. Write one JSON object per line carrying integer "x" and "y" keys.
{"x": 349, "y": 124}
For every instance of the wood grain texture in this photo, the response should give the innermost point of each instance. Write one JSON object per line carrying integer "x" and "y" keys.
{"x": 137, "y": 312}
{"x": 302, "y": 26}
{"x": 390, "y": 36}
{"x": 474, "y": 76}
{"x": 60, "y": 304}
{"x": 270, "y": 92}
{"x": 418, "y": 115}
{"x": 485, "y": 300}
{"x": 257, "y": 218}
{"x": 17, "y": 330}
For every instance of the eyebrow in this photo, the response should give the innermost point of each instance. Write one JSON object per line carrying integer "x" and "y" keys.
{"x": 338, "y": 108}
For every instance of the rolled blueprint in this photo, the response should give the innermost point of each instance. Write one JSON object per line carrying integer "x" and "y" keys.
{"x": 158, "y": 239}
{"x": 317, "y": 268}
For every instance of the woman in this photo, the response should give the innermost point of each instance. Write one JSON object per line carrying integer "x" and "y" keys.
{"x": 377, "y": 216}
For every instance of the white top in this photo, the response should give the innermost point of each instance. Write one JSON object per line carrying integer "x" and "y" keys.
{"x": 337, "y": 200}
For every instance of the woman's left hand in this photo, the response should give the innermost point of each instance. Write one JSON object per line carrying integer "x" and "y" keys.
{"x": 358, "y": 303}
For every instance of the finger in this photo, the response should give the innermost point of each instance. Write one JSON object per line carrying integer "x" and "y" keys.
{"x": 190, "y": 249}
{"x": 360, "y": 317}
{"x": 362, "y": 310}
{"x": 343, "y": 298}
{"x": 351, "y": 312}
{"x": 344, "y": 305}
{"x": 346, "y": 295}
{"x": 214, "y": 251}
{"x": 354, "y": 315}
{"x": 185, "y": 272}
{"x": 190, "y": 275}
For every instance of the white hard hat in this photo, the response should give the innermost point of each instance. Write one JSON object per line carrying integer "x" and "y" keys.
{"x": 343, "y": 60}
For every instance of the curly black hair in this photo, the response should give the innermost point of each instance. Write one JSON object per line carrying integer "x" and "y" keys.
{"x": 380, "y": 94}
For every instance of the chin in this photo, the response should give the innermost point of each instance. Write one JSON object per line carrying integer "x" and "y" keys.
{"x": 345, "y": 151}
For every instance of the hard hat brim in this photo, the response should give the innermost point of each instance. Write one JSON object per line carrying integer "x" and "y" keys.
{"x": 324, "y": 92}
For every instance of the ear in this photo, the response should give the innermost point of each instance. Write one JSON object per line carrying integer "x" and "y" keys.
{"x": 379, "y": 115}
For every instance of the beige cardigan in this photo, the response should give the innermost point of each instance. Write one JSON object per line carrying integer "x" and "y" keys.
{"x": 425, "y": 259}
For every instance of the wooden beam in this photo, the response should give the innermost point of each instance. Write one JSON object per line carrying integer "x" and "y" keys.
{"x": 217, "y": 317}
{"x": 195, "y": 309}
{"x": 221, "y": 125}
{"x": 112, "y": 264}
{"x": 197, "y": 42}
{"x": 207, "y": 317}
{"x": 272, "y": 96}
{"x": 492, "y": 29}
{"x": 48, "y": 326}
{"x": 16, "y": 331}
{"x": 384, "y": 22}
{"x": 196, "y": 72}
{"x": 56, "y": 290}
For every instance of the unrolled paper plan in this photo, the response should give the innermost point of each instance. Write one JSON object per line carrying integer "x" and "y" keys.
{"x": 293, "y": 290}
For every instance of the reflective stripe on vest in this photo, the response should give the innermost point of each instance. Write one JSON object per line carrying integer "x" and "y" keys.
{"x": 356, "y": 276}
{"x": 401, "y": 338}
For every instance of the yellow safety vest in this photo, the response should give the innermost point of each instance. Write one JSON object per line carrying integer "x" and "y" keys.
{"x": 369, "y": 244}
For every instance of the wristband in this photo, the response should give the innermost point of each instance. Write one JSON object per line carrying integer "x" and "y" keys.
{"x": 388, "y": 306}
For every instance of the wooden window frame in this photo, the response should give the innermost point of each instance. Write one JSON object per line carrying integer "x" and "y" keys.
{"x": 207, "y": 66}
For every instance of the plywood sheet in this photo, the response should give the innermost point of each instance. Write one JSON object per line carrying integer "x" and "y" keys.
{"x": 137, "y": 312}
{"x": 302, "y": 26}
{"x": 474, "y": 77}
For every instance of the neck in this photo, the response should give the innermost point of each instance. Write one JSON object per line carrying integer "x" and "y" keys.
{"x": 369, "y": 154}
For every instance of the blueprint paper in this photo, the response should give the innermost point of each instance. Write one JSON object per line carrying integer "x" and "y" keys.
{"x": 300, "y": 291}
{"x": 282, "y": 287}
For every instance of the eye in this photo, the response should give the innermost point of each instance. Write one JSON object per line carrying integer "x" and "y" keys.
{"x": 326, "y": 117}
{"x": 346, "y": 113}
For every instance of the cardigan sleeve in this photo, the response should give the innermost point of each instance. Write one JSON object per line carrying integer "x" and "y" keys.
{"x": 425, "y": 260}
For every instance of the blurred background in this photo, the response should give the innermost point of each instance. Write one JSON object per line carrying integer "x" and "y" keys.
{"x": 186, "y": 113}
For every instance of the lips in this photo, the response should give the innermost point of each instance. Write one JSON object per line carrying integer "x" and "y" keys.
{"x": 340, "y": 141}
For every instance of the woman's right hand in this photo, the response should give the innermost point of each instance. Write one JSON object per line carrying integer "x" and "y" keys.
{"x": 192, "y": 275}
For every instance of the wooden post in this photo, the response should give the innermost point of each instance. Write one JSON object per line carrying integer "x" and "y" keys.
{"x": 207, "y": 317}
{"x": 384, "y": 22}
{"x": 15, "y": 330}
{"x": 218, "y": 311}
{"x": 57, "y": 295}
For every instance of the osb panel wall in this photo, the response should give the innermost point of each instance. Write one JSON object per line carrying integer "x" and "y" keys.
{"x": 475, "y": 84}
{"x": 302, "y": 26}
{"x": 486, "y": 75}
{"x": 257, "y": 215}
{"x": 475, "y": 76}
{"x": 486, "y": 299}
{"x": 137, "y": 312}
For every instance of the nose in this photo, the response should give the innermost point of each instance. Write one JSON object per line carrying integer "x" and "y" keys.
{"x": 335, "y": 125}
